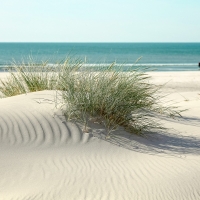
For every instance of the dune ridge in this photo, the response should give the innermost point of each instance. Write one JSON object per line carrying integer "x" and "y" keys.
{"x": 42, "y": 156}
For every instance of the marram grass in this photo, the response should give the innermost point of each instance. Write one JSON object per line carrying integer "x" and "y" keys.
{"x": 113, "y": 98}
{"x": 28, "y": 78}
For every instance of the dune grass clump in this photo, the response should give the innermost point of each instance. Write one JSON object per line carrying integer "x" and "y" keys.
{"x": 31, "y": 77}
{"x": 28, "y": 78}
{"x": 114, "y": 98}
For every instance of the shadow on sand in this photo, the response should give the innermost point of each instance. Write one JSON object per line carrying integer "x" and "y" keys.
{"x": 165, "y": 142}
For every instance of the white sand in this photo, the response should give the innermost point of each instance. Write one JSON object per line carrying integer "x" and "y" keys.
{"x": 44, "y": 157}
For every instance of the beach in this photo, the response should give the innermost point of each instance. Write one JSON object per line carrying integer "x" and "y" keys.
{"x": 43, "y": 156}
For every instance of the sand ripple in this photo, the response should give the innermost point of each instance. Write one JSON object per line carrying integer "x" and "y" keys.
{"x": 43, "y": 157}
{"x": 24, "y": 126}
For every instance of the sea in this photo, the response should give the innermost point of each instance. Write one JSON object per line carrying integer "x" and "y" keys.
{"x": 151, "y": 56}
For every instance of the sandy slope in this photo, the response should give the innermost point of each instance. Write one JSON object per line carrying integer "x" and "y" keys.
{"x": 44, "y": 157}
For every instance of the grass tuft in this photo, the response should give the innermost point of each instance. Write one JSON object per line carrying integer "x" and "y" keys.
{"x": 113, "y": 97}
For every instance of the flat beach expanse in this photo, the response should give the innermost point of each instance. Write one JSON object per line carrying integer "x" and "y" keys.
{"x": 44, "y": 157}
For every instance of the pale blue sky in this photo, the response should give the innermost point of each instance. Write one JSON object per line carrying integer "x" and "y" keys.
{"x": 99, "y": 21}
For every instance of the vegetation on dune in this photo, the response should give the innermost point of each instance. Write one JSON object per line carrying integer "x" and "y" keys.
{"x": 110, "y": 96}
{"x": 28, "y": 78}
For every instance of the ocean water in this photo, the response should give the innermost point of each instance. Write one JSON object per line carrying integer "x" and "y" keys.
{"x": 158, "y": 56}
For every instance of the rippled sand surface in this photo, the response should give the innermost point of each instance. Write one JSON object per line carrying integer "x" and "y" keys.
{"x": 44, "y": 157}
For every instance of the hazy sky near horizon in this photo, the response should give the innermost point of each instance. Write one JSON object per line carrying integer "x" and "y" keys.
{"x": 99, "y": 21}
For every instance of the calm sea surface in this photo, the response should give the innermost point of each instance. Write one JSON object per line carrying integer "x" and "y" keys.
{"x": 160, "y": 56}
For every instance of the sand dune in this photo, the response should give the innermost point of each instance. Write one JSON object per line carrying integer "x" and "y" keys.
{"x": 42, "y": 156}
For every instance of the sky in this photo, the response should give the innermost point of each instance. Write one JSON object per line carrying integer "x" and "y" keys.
{"x": 99, "y": 21}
